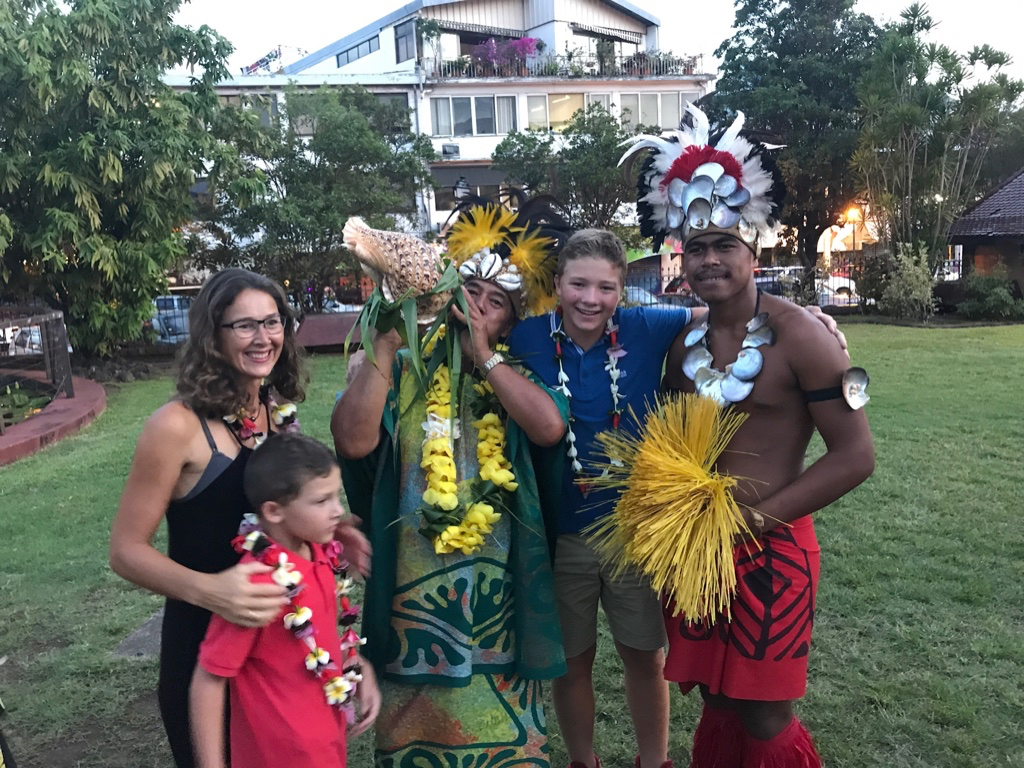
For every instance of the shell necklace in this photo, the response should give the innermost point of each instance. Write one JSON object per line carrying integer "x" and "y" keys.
{"x": 736, "y": 382}
{"x": 615, "y": 351}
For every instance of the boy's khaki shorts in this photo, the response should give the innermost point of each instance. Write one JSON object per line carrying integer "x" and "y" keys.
{"x": 581, "y": 581}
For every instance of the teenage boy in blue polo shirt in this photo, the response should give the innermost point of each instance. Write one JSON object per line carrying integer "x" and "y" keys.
{"x": 605, "y": 359}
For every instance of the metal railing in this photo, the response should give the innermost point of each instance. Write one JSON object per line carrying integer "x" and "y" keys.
{"x": 565, "y": 66}
{"x": 35, "y": 361}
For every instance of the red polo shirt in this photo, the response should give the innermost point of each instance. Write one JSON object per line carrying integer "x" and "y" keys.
{"x": 280, "y": 717}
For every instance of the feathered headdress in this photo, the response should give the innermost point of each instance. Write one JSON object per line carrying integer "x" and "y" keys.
{"x": 516, "y": 250}
{"x": 693, "y": 182}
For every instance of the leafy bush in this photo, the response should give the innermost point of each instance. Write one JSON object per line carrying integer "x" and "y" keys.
{"x": 871, "y": 274}
{"x": 908, "y": 290}
{"x": 990, "y": 297}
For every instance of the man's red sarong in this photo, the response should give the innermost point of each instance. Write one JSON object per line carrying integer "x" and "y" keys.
{"x": 761, "y": 653}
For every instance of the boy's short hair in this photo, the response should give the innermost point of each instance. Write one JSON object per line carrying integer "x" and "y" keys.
{"x": 597, "y": 243}
{"x": 278, "y": 469}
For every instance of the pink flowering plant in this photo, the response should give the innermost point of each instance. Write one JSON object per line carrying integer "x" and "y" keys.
{"x": 519, "y": 50}
{"x": 485, "y": 53}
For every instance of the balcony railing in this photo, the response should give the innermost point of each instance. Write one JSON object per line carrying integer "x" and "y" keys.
{"x": 637, "y": 65}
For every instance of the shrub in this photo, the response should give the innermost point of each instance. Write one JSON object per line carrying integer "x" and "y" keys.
{"x": 871, "y": 274}
{"x": 990, "y": 297}
{"x": 908, "y": 290}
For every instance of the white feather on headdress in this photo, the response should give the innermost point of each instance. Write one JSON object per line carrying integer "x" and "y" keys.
{"x": 685, "y": 185}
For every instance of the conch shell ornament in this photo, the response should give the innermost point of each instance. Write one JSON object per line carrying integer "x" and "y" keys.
{"x": 402, "y": 265}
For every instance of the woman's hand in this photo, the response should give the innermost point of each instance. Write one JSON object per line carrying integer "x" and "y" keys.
{"x": 369, "y": 701}
{"x": 233, "y": 595}
{"x": 358, "y": 551}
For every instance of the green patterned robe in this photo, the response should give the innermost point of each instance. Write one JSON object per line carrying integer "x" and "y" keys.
{"x": 459, "y": 642}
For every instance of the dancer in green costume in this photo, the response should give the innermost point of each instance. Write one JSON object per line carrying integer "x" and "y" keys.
{"x": 461, "y": 623}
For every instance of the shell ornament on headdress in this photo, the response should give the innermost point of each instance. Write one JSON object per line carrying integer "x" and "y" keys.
{"x": 693, "y": 181}
{"x": 515, "y": 250}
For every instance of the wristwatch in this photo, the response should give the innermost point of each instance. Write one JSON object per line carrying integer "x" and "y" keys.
{"x": 494, "y": 360}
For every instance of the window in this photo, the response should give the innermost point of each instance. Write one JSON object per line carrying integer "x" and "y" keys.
{"x": 397, "y": 105}
{"x": 562, "y": 106}
{"x": 506, "y": 114}
{"x": 670, "y": 111}
{"x": 444, "y": 197}
{"x": 484, "y": 114}
{"x": 365, "y": 48}
{"x": 441, "y": 116}
{"x": 630, "y": 108}
{"x": 405, "y": 41}
{"x": 537, "y": 108}
{"x": 266, "y": 107}
{"x": 604, "y": 99}
{"x": 462, "y": 117}
{"x": 651, "y": 109}
{"x": 394, "y": 100}
{"x": 469, "y": 116}
{"x": 551, "y": 112}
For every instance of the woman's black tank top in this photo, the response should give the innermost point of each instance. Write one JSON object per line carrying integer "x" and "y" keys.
{"x": 200, "y": 526}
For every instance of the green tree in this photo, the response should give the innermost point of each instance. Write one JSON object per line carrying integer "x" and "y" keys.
{"x": 930, "y": 117}
{"x": 528, "y": 159}
{"x": 97, "y": 155}
{"x": 328, "y": 154}
{"x": 580, "y": 169}
{"x": 1006, "y": 155}
{"x": 791, "y": 67}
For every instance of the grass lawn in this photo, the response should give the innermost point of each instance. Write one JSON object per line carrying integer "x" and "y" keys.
{"x": 918, "y": 657}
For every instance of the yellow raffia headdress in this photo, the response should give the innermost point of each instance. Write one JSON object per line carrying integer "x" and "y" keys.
{"x": 676, "y": 520}
{"x": 514, "y": 249}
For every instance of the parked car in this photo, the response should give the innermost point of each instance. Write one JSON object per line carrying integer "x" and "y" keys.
{"x": 679, "y": 299}
{"x": 170, "y": 320}
{"x": 637, "y": 296}
{"x": 333, "y": 307}
{"x": 678, "y": 285}
{"x": 28, "y": 341}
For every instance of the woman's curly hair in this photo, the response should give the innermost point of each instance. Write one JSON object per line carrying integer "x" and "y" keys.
{"x": 207, "y": 381}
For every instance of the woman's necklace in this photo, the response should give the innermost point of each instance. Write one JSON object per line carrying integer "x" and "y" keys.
{"x": 340, "y": 678}
{"x": 615, "y": 351}
{"x": 243, "y": 423}
{"x": 736, "y": 382}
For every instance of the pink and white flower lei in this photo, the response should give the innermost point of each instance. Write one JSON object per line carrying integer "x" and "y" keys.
{"x": 340, "y": 683}
{"x": 615, "y": 351}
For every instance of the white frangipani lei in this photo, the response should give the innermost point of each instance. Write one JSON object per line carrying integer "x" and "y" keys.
{"x": 615, "y": 351}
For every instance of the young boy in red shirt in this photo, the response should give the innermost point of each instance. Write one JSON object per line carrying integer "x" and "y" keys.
{"x": 293, "y": 683}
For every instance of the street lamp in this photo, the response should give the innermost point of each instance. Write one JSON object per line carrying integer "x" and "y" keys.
{"x": 461, "y": 190}
{"x": 853, "y": 216}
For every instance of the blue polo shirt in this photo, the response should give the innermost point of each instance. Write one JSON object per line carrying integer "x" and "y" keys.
{"x": 646, "y": 333}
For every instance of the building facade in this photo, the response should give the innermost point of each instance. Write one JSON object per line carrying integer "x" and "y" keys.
{"x": 473, "y": 71}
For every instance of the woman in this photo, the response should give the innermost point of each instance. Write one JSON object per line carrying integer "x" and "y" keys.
{"x": 188, "y": 466}
{"x": 459, "y": 617}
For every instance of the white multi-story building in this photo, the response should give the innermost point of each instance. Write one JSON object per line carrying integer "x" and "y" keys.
{"x": 473, "y": 71}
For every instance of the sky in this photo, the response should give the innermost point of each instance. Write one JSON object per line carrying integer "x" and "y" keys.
{"x": 257, "y": 26}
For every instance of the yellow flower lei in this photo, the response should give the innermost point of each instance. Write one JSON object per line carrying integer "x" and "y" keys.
{"x": 465, "y": 532}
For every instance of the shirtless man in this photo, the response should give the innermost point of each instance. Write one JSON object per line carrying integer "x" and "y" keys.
{"x": 720, "y": 193}
{"x": 750, "y": 669}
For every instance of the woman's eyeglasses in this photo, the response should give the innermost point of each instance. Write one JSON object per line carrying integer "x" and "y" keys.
{"x": 247, "y": 327}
